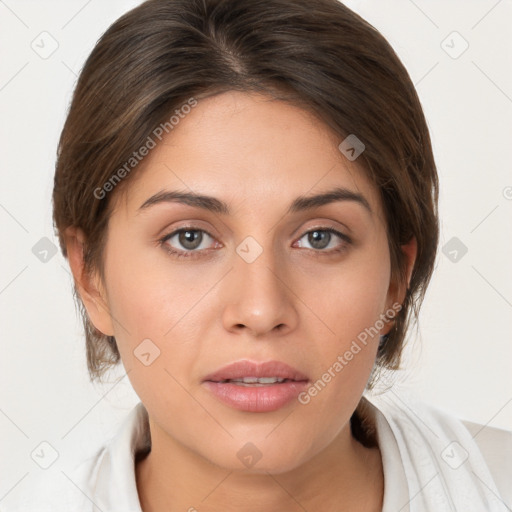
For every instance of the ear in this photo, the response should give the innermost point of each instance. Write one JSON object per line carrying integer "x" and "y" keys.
{"x": 89, "y": 286}
{"x": 397, "y": 292}
{"x": 410, "y": 251}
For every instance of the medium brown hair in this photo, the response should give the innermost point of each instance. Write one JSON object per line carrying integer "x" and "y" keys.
{"x": 317, "y": 54}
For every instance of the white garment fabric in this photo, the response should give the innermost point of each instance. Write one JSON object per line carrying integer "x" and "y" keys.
{"x": 432, "y": 462}
{"x": 437, "y": 463}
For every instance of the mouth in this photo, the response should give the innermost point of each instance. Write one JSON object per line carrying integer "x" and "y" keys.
{"x": 256, "y": 381}
{"x": 254, "y": 373}
{"x": 256, "y": 387}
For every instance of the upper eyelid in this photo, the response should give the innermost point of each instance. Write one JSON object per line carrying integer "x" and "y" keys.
{"x": 186, "y": 228}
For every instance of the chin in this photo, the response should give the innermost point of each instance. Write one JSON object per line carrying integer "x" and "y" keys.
{"x": 261, "y": 455}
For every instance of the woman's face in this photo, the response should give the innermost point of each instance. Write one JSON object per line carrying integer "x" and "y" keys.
{"x": 262, "y": 278}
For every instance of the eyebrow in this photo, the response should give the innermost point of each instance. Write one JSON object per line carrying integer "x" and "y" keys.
{"x": 215, "y": 205}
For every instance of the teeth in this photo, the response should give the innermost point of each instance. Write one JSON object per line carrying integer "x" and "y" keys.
{"x": 269, "y": 380}
{"x": 257, "y": 380}
{"x": 247, "y": 380}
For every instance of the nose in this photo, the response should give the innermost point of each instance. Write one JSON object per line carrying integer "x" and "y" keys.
{"x": 258, "y": 295}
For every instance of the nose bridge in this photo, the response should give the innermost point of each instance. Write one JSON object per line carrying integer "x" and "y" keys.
{"x": 260, "y": 299}
{"x": 256, "y": 265}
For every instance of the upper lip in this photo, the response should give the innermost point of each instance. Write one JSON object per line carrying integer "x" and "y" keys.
{"x": 245, "y": 368}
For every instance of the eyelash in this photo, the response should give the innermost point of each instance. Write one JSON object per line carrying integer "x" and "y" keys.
{"x": 195, "y": 253}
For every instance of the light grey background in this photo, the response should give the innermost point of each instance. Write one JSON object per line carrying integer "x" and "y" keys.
{"x": 462, "y": 359}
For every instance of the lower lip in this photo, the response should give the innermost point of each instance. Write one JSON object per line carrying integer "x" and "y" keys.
{"x": 257, "y": 398}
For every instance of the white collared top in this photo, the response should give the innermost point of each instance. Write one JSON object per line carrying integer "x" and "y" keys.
{"x": 432, "y": 462}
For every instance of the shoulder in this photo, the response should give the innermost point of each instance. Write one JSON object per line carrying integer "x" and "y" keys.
{"x": 495, "y": 444}
{"x": 103, "y": 481}
{"x": 58, "y": 490}
{"x": 469, "y": 459}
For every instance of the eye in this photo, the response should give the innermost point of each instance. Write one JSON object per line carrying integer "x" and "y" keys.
{"x": 189, "y": 241}
{"x": 320, "y": 239}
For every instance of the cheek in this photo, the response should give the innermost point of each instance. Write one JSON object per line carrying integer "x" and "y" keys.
{"x": 349, "y": 303}
{"x": 156, "y": 316}
{"x": 352, "y": 297}
{"x": 149, "y": 303}
{"x": 144, "y": 298}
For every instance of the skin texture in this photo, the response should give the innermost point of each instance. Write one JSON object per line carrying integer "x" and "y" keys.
{"x": 295, "y": 303}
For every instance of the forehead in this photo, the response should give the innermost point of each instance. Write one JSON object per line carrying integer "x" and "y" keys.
{"x": 248, "y": 149}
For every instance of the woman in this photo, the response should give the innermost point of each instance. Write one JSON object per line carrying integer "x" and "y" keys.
{"x": 247, "y": 197}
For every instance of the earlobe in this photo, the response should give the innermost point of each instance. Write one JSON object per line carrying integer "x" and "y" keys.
{"x": 88, "y": 286}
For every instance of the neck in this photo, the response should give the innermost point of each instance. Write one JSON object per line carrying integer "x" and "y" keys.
{"x": 344, "y": 476}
